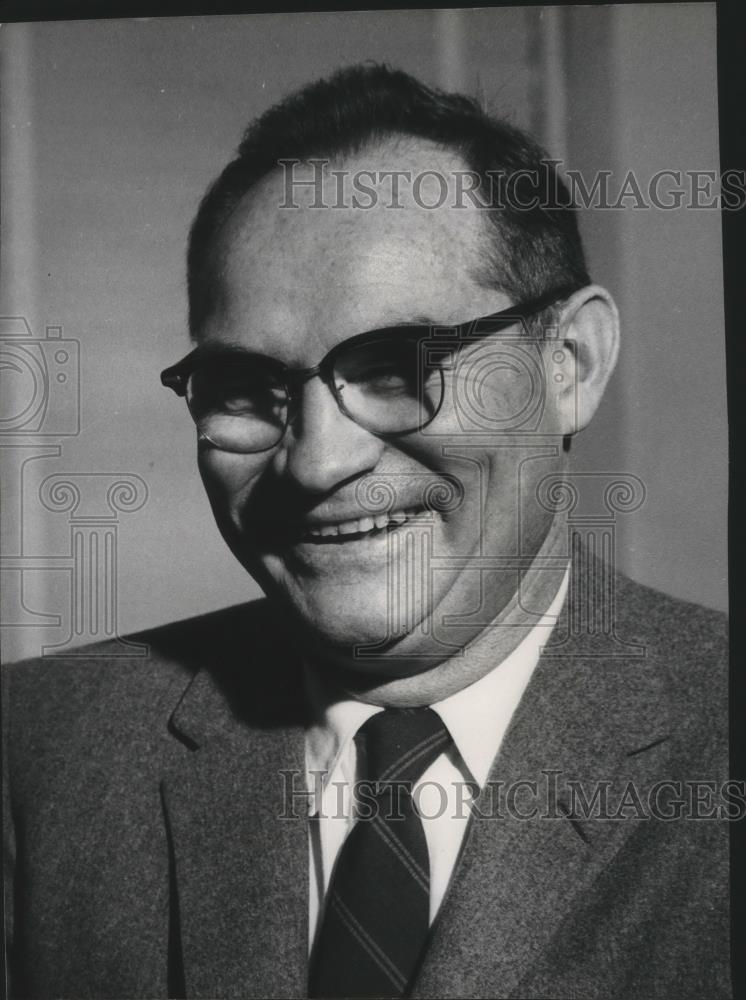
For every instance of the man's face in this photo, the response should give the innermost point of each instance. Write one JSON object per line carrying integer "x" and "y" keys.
{"x": 292, "y": 284}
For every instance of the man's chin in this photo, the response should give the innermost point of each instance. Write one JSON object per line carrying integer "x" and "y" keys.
{"x": 361, "y": 653}
{"x": 344, "y": 628}
{"x": 343, "y": 607}
{"x": 349, "y": 615}
{"x": 350, "y": 631}
{"x": 360, "y": 665}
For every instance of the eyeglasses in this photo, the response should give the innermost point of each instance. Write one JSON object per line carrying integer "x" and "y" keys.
{"x": 384, "y": 380}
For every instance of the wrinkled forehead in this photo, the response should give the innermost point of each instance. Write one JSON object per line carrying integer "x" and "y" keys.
{"x": 392, "y": 218}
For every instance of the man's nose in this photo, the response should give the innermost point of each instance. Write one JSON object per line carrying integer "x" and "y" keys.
{"x": 323, "y": 448}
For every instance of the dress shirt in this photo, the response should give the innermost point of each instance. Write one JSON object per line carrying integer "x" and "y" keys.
{"x": 476, "y": 717}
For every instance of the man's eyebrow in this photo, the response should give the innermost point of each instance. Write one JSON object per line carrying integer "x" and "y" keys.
{"x": 211, "y": 349}
{"x": 220, "y": 349}
{"x": 425, "y": 321}
{"x": 408, "y": 321}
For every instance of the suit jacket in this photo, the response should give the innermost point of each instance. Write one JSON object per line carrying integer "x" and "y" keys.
{"x": 154, "y": 851}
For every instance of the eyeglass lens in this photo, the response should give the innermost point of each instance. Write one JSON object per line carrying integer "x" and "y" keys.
{"x": 242, "y": 405}
{"x": 239, "y": 406}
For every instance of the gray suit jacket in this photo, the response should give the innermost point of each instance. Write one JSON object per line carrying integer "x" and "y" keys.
{"x": 153, "y": 851}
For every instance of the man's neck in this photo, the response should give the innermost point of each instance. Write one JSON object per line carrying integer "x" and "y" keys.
{"x": 537, "y": 589}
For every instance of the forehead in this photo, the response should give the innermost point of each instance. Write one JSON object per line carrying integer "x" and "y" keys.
{"x": 348, "y": 240}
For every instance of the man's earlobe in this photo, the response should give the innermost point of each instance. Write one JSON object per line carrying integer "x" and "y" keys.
{"x": 585, "y": 356}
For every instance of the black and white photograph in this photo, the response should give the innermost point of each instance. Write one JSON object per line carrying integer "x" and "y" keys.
{"x": 401, "y": 669}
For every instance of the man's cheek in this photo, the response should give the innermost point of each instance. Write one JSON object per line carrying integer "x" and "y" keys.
{"x": 229, "y": 477}
{"x": 229, "y": 482}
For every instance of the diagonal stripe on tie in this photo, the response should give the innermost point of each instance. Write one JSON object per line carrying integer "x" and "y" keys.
{"x": 411, "y": 864}
{"x": 397, "y": 978}
{"x": 410, "y": 760}
{"x": 376, "y": 918}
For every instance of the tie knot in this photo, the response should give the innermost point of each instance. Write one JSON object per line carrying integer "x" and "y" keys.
{"x": 399, "y": 744}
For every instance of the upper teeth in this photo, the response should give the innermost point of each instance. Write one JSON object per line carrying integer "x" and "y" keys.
{"x": 362, "y": 524}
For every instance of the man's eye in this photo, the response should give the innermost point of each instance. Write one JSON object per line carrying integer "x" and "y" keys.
{"x": 232, "y": 391}
{"x": 253, "y": 399}
{"x": 386, "y": 376}
{"x": 239, "y": 403}
{"x": 384, "y": 379}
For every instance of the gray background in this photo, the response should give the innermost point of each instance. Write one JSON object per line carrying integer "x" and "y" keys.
{"x": 112, "y": 130}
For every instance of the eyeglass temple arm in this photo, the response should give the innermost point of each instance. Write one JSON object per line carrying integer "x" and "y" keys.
{"x": 177, "y": 375}
{"x": 521, "y": 311}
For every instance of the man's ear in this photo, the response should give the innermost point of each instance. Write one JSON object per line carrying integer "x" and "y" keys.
{"x": 584, "y": 357}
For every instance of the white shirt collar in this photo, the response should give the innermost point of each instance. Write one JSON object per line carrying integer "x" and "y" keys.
{"x": 477, "y": 717}
{"x": 336, "y": 724}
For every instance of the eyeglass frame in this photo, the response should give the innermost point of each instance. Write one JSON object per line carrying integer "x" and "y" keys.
{"x": 176, "y": 377}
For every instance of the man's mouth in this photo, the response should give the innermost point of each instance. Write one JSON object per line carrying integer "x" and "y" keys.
{"x": 359, "y": 527}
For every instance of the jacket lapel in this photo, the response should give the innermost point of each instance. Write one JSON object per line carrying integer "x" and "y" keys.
{"x": 584, "y": 719}
{"x": 238, "y": 840}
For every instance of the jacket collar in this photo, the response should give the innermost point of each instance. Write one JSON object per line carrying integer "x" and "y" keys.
{"x": 236, "y": 815}
{"x": 246, "y": 679}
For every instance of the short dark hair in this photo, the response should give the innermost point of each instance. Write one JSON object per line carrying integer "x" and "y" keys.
{"x": 532, "y": 249}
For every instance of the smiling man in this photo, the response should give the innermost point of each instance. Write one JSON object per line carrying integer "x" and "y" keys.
{"x": 293, "y": 508}
{"x": 411, "y": 769}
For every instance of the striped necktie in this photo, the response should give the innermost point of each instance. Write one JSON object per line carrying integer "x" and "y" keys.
{"x": 377, "y": 908}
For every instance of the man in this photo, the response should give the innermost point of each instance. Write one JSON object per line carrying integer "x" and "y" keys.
{"x": 451, "y": 753}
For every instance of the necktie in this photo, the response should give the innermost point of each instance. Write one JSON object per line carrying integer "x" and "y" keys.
{"x": 377, "y": 908}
